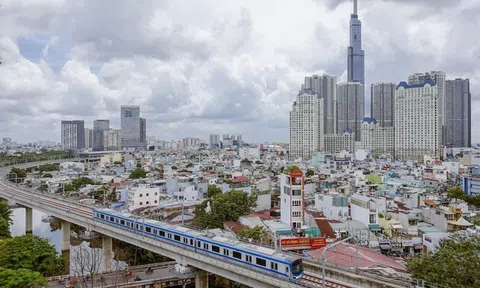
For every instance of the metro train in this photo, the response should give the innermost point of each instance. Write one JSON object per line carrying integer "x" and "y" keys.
{"x": 257, "y": 257}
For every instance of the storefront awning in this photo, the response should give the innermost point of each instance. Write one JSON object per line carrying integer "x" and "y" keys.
{"x": 374, "y": 227}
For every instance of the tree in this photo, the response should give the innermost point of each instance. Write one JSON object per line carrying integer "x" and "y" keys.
{"x": 47, "y": 175}
{"x": 4, "y": 229}
{"x": 310, "y": 173}
{"x": 17, "y": 175}
{"x": 224, "y": 207}
{"x": 258, "y": 162}
{"x": 456, "y": 263}
{"x": 291, "y": 169}
{"x": 256, "y": 234}
{"x": 138, "y": 174}
{"x": 189, "y": 165}
{"x": 6, "y": 212}
{"x": 213, "y": 190}
{"x": 21, "y": 278}
{"x": 49, "y": 167}
{"x": 457, "y": 193}
{"x": 30, "y": 252}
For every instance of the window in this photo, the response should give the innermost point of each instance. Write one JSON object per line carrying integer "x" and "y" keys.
{"x": 191, "y": 242}
{"x": 148, "y": 229}
{"x": 147, "y": 195}
{"x": 155, "y": 231}
{"x": 169, "y": 236}
{"x": 226, "y": 252}
{"x": 215, "y": 249}
{"x": 141, "y": 195}
{"x": 156, "y": 193}
{"x": 274, "y": 266}
{"x": 161, "y": 233}
{"x": 102, "y": 216}
{"x": 176, "y": 238}
{"x": 155, "y": 201}
{"x": 248, "y": 258}
{"x": 198, "y": 244}
{"x": 205, "y": 246}
{"x": 141, "y": 203}
{"x": 237, "y": 255}
{"x": 122, "y": 222}
{"x": 111, "y": 219}
{"x": 296, "y": 213}
{"x": 261, "y": 262}
{"x": 372, "y": 219}
{"x": 148, "y": 202}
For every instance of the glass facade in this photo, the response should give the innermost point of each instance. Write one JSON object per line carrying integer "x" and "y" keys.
{"x": 130, "y": 124}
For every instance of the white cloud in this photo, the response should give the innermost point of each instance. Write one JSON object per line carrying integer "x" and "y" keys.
{"x": 200, "y": 67}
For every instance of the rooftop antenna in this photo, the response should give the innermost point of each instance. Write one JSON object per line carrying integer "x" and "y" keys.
{"x": 354, "y": 7}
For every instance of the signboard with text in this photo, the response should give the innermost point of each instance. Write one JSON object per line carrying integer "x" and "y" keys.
{"x": 302, "y": 243}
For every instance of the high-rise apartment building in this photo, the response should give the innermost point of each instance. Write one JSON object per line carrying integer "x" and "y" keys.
{"x": 326, "y": 87}
{"x": 416, "y": 120}
{"x": 88, "y": 138}
{"x": 382, "y": 105}
{"x": 73, "y": 135}
{"x": 306, "y": 125}
{"x": 340, "y": 142}
{"x": 99, "y": 127}
{"x": 214, "y": 141}
{"x": 143, "y": 132}
{"x": 356, "y": 56}
{"x": 439, "y": 78}
{"x": 130, "y": 126}
{"x": 111, "y": 139}
{"x": 458, "y": 113}
{"x": 379, "y": 140}
{"x": 350, "y": 107}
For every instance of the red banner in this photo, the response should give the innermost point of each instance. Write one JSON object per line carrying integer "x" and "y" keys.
{"x": 303, "y": 242}
{"x": 318, "y": 242}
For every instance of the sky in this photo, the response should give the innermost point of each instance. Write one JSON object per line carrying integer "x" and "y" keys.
{"x": 212, "y": 67}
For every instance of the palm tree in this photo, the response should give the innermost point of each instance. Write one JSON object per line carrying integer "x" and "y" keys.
{"x": 6, "y": 212}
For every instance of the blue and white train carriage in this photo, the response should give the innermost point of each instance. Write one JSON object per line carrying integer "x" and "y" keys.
{"x": 257, "y": 257}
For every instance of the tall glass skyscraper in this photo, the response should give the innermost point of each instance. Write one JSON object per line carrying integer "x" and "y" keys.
{"x": 458, "y": 114}
{"x": 131, "y": 126}
{"x": 356, "y": 56}
{"x": 99, "y": 128}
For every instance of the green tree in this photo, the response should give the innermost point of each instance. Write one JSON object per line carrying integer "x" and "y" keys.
{"x": 21, "y": 278}
{"x": 4, "y": 229}
{"x": 17, "y": 175}
{"x": 258, "y": 162}
{"x": 310, "y": 173}
{"x": 457, "y": 193}
{"x": 256, "y": 234}
{"x": 49, "y": 167}
{"x": 30, "y": 252}
{"x": 138, "y": 174}
{"x": 6, "y": 212}
{"x": 456, "y": 263}
{"x": 213, "y": 190}
{"x": 189, "y": 165}
{"x": 47, "y": 175}
{"x": 139, "y": 165}
{"x": 224, "y": 207}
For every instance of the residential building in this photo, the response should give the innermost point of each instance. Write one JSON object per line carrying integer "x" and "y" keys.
{"x": 143, "y": 196}
{"x": 99, "y": 127}
{"x": 382, "y": 105}
{"x": 363, "y": 209}
{"x": 377, "y": 139}
{"x": 350, "y": 107}
{"x": 439, "y": 78}
{"x": 334, "y": 143}
{"x": 249, "y": 152}
{"x": 111, "y": 139}
{"x": 143, "y": 132}
{"x": 306, "y": 125}
{"x": 190, "y": 142}
{"x": 325, "y": 87}
{"x": 292, "y": 199}
{"x": 416, "y": 121}
{"x": 214, "y": 141}
{"x": 333, "y": 206}
{"x": 458, "y": 113}
{"x": 73, "y": 135}
{"x": 471, "y": 184}
{"x": 130, "y": 126}
{"x": 88, "y": 138}
{"x": 356, "y": 56}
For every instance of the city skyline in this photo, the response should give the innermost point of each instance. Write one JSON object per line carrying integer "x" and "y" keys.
{"x": 208, "y": 81}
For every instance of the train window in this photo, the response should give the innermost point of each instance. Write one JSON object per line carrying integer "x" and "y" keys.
{"x": 122, "y": 222}
{"x": 136, "y": 225}
{"x": 185, "y": 240}
{"x": 161, "y": 233}
{"x": 116, "y": 220}
{"x": 261, "y": 262}
{"x": 215, "y": 249}
{"x": 111, "y": 218}
{"x": 237, "y": 255}
{"x": 148, "y": 229}
{"x": 248, "y": 258}
{"x": 205, "y": 246}
{"x": 102, "y": 216}
{"x": 191, "y": 242}
{"x": 199, "y": 244}
{"x": 225, "y": 252}
{"x": 176, "y": 237}
{"x": 274, "y": 266}
{"x": 169, "y": 236}
{"x": 155, "y": 231}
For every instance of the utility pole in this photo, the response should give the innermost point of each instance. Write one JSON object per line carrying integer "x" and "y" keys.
{"x": 324, "y": 258}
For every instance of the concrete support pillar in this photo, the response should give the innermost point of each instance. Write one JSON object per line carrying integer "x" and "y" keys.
{"x": 28, "y": 220}
{"x": 107, "y": 253}
{"x": 65, "y": 236}
{"x": 201, "y": 279}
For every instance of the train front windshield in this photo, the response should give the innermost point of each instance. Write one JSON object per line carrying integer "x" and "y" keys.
{"x": 297, "y": 267}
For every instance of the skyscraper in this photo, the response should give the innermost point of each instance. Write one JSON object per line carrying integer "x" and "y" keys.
{"x": 326, "y": 87}
{"x": 356, "y": 56}
{"x": 416, "y": 120}
{"x": 99, "y": 128}
{"x": 130, "y": 126}
{"x": 306, "y": 125}
{"x": 143, "y": 132}
{"x": 73, "y": 135}
{"x": 214, "y": 141}
{"x": 458, "y": 113}
{"x": 350, "y": 108}
{"x": 439, "y": 79}
{"x": 88, "y": 138}
{"x": 383, "y": 103}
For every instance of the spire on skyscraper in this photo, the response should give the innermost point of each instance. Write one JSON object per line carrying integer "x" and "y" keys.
{"x": 355, "y": 54}
{"x": 354, "y": 7}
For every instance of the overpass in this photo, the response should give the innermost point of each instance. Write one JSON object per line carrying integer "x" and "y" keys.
{"x": 81, "y": 214}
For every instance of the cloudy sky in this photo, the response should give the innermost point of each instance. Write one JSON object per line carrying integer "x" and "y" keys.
{"x": 211, "y": 66}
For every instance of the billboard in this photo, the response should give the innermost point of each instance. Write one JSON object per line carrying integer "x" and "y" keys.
{"x": 302, "y": 243}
